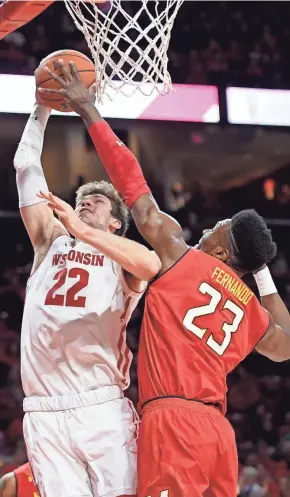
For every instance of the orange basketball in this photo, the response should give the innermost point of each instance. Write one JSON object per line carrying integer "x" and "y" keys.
{"x": 43, "y": 79}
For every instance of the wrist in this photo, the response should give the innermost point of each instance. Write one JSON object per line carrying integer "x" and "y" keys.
{"x": 265, "y": 283}
{"x": 76, "y": 228}
{"x": 89, "y": 114}
{"x": 79, "y": 229}
{"x": 40, "y": 115}
{"x": 41, "y": 108}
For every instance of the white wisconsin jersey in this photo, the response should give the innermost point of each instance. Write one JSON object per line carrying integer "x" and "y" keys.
{"x": 76, "y": 310}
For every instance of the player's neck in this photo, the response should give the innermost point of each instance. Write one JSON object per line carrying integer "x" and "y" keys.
{"x": 237, "y": 271}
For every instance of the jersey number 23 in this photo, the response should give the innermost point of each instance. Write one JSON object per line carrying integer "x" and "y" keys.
{"x": 211, "y": 308}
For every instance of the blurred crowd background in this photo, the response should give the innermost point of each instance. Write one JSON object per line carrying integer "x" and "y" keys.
{"x": 237, "y": 43}
{"x": 220, "y": 43}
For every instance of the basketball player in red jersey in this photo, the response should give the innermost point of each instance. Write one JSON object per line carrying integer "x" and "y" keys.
{"x": 18, "y": 483}
{"x": 200, "y": 321}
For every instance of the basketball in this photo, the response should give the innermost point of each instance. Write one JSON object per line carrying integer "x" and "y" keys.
{"x": 84, "y": 65}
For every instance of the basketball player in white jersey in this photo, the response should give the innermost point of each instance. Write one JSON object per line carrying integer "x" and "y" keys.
{"x": 79, "y": 429}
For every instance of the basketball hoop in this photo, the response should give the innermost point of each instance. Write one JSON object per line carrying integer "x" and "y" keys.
{"x": 128, "y": 42}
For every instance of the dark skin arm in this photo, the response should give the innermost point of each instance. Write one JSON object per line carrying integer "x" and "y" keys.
{"x": 276, "y": 343}
{"x": 278, "y": 310}
{"x": 159, "y": 229}
{"x": 8, "y": 486}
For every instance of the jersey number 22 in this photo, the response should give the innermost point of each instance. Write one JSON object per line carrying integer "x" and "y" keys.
{"x": 207, "y": 310}
{"x": 70, "y": 298}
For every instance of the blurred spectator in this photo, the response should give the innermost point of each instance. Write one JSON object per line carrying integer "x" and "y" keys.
{"x": 251, "y": 483}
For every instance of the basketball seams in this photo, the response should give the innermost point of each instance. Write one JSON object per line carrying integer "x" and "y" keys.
{"x": 61, "y": 75}
{"x": 45, "y": 62}
{"x": 84, "y": 66}
{"x": 70, "y": 53}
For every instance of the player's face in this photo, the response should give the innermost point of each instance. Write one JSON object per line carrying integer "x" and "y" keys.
{"x": 96, "y": 211}
{"x": 215, "y": 241}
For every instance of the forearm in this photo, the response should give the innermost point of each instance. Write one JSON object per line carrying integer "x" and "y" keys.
{"x": 161, "y": 232}
{"x": 275, "y": 344}
{"x": 91, "y": 115}
{"x": 275, "y": 305}
{"x": 27, "y": 161}
{"x": 131, "y": 256}
{"x": 121, "y": 165}
{"x": 271, "y": 300}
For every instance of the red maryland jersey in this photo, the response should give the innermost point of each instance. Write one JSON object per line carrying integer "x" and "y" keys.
{"x": 25, "y": 483}
{"x": 200, "y": 321}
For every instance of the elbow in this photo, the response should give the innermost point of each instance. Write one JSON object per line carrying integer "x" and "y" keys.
{"x": 279, "y": 358}
{"x": 151, "y": 266}
{"x": 153, "y": 270}
{"x": 154, "y": 265}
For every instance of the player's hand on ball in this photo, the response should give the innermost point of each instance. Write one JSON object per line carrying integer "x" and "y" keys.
{"x": 64, "y": 212}
{"x": 73, "y": 89}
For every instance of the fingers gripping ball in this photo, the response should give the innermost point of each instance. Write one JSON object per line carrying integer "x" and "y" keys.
{"x": 43, "y": 78}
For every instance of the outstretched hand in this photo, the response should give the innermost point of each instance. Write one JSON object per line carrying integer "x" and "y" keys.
{"x": 65, "y": 213}
{"x": 73, "y": 89}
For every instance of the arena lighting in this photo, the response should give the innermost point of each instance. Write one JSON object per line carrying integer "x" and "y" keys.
{"x": 258, "y": 106}
{"x": 188, "y": 103}
{"x": 269, "y": 187}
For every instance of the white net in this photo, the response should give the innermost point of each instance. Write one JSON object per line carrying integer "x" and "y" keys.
{"x": 128, "y": 41}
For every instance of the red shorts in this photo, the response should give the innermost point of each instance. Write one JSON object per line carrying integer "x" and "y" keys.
{"x": 186, "y": 449}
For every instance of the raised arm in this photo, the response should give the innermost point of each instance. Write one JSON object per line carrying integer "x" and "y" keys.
{"x": 276, "y": 342}
{"x": 161, "y": 231}
{"x": 40, "y": 223}
{"x": 134, "y": 258}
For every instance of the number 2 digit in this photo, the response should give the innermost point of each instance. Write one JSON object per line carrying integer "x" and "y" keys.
{"x": 56, "y": 299}
{"x": 70, "y": 299}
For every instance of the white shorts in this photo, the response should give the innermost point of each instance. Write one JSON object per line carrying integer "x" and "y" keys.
{"x": 82, "y": 445}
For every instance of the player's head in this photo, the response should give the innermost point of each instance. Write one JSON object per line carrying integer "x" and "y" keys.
{"x": 99, "y": 204}
{"x": 243, "y": 242}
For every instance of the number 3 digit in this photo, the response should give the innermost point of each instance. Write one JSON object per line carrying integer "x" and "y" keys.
{"x": 210, "y": 308}
{"x": 164, "y": 493}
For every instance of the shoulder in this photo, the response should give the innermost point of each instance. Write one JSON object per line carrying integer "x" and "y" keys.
{"x": 8, "y": 485}
{"x": 61, "y": 243}
{"x": 182, "y": 267}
